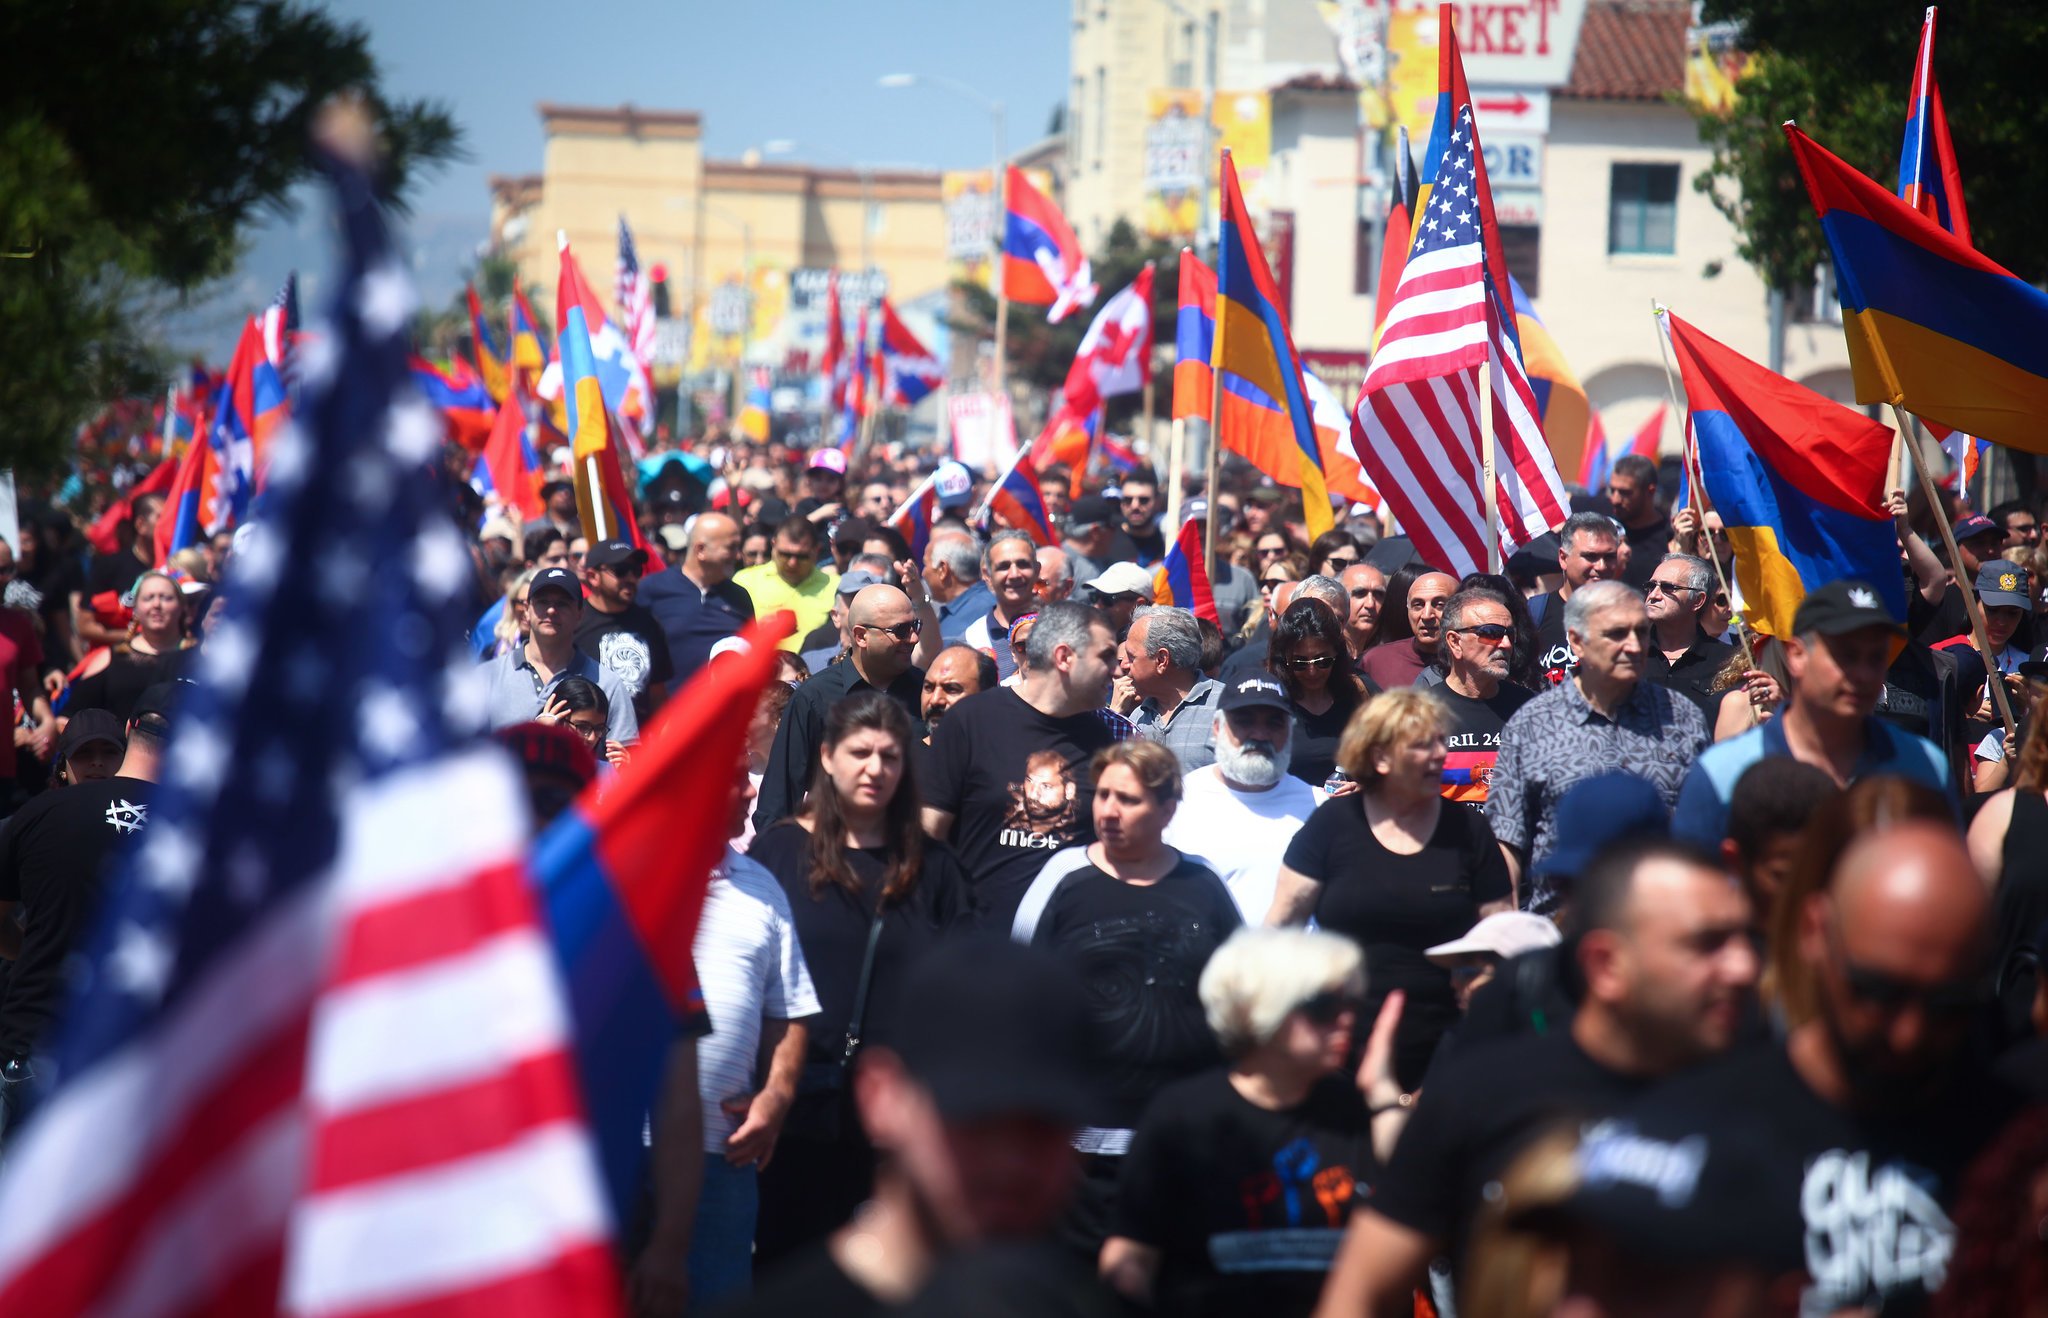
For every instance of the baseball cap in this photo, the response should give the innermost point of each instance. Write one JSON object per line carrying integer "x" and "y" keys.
{"x": 677, "y": 538}
{"x": 556, "y": 578}
{"x": 2002, "y": 583}
{"x": 858, "y": 580}
{"x": 1123, "y": 579}
{"x": 1504, "y": 934}
{"x": 1000, "y": 1029}
{"x": 1594, "y": 813}
{"x": 954, "y": 483}
{"x": 1843, "y": 606}
{"x": 1976, "y": 524}
{"x": 1254, "y": 693}
{"x": 88, "y": 726}
{"x": 544, "y": 747}
{"x": 1268, "y": 495}
{"x": 614, "y": 553}
{"x": 1089, "y": 511}
{"x": 828, "y": 459}
{"x": 1195, "y": 511}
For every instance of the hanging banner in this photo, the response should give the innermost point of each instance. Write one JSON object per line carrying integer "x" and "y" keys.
{"x": 1176, "y": 156}
{"x": 968, "y": 204}
{"x": 984, "y": 434}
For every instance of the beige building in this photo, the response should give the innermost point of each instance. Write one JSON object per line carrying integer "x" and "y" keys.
{"x": 713, "y": 223}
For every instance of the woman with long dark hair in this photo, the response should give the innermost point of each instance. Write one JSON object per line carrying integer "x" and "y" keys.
{"x": 1310, "y": 658}
{"x": 870, "y": 893}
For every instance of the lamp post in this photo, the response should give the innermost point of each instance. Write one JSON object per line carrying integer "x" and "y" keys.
{"x": 998, "y": 186}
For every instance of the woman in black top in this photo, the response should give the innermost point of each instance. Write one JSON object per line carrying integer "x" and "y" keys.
{"x": 1138, "y": 919}
{"x": 1310, "y": 658}
{"x": 1240, "y": 1181}
{"x": 854, "y": 860}
{"x": 154, "y": 651}
{"x": 1390, "y": 867}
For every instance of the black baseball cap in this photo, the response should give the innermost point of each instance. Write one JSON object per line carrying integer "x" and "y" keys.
{"x": 614, "y": 553}
{"x": 1841, "y": 607}
{"x": 997, "y": 1028}
{"x": 1254, "y": 693}
{"x": 88, "y": 726}
{"x": 1090, "y": 511}
{"x": 556, "y": 578}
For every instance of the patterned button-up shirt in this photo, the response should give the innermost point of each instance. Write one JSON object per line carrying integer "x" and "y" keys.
{"x": 1559, "y": 738}
{"x": 1185, "y": 729}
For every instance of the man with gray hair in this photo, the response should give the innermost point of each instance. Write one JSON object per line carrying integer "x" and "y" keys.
{"x": 1682, "y": 656}
{"x": 1604, "y": 717}
{"x": 1588, "y": 550}
{"x": 1010, "y": 567}
{"x": 1160, "y": 687}
{"x": 952, "y": 573}
{"x": 1010, "y": 782}
{"x": 1055, "y": 574}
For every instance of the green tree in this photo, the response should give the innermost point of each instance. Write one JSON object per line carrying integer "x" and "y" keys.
{"x": 139, "y": 140}
{"x": 1843, "y": 69}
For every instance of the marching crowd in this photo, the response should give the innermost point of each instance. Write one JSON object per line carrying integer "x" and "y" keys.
{"x": 1391, "y": 942}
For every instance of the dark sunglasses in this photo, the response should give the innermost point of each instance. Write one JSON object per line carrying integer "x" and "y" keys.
{"x": 1326, "y": 1007}
{"x": 902, "y": 631}
{"x": 1888, "y": 994}
{"x": 1493, "y": 632}
{"x": 1273, "y": 551}
{"x": 1670, "y": 589}
{"x": 1340, "y": 562}
{"x": 1311, "y": 662}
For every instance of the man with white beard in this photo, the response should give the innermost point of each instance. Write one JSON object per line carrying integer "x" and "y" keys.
{"x": 1239, "y": 813}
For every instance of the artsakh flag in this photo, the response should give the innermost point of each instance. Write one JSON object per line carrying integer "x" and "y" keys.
{"x": 1015, "y": 500}
{"x": 1181, "y": 579}
{"x": 1042, "y": 264}
{"x": 493, "y": 363}
{"x": 622, "y": 876}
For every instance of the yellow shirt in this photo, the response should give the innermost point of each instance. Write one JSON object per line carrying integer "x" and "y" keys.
{"x": 812, "y": 601}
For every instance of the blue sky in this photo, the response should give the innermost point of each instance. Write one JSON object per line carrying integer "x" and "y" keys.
{"x": 757, "y": 70}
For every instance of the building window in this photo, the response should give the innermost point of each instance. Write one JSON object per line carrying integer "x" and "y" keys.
{"x": 1642, "y": 210}
{"x": 1522, "y": 245}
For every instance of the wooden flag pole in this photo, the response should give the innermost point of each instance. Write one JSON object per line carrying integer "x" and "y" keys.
{"x": 1994, "y": 679}
{"x": 1689, "y": 458}
{"x": 1486, "y": 488}
{"x": 1176, "y": 456}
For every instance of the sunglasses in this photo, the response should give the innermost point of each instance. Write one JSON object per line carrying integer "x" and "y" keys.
{"x": 1269, "y": 582}
{"x": 902, "y": 631}
{"x": 1273, "y": 551}
{"x": 1340, "y": 562}
{"x": 1491, "y": 632}
{"x": 1891, "y": 995}
{"x": 1326, "y": 1007}
{"x": 1310, "y": 662}
{"x": 1667, "y": 588}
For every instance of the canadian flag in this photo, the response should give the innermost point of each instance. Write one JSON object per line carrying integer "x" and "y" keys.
{"x": 1117, "y": 350}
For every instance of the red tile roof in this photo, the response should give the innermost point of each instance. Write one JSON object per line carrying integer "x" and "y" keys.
{"x": 1630, "y": 50}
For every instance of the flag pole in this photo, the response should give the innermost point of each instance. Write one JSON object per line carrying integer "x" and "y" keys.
{"x": 1215, "y": 463}
{"x": 1176, "y": 455}
{"x": 1993, "y": 679}
{"x": 1486, "y": 463}
{"x": 1689, "y": 458}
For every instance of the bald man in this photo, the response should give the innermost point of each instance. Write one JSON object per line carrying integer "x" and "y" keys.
{"x": 1055, "y": 574}
{"x": 882, "y": 631}
{"x": 1399, "y": 663}
{"x": 697, "y": 603}
{"x": 960, "y": 671}
{"x": 1847, "y": 1139}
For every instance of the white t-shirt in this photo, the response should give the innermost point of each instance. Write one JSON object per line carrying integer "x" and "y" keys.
{"x": 751, "y": 969}
{"x": 1243, "y": 835}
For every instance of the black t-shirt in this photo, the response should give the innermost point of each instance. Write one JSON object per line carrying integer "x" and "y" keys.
{"x": 1480, "y": 1109}
{"x": 1245, "y": 1205}
{"x": 1934, "y": 623}
{"x": 633, "y": 645}
{"x": 1396, "y": 907}
{"x": 1140, "y": 949}
{"x": 1646, "y": 547}
{"x": 53, "y": 858}
{"x": 1473, "y": 743}
{"x": 1553, "y": 652}
{"x": 808, "y": 1285}
{"x": 1862, "y": 1197}
{"x": 117, "y": 572}
{"x": 1312, "y": 749}
{"x": 1018, "y": 786}
{"x": 1151, "y": 543}
{"x": 127, "y": 675}
{"x": 832, "y": 927}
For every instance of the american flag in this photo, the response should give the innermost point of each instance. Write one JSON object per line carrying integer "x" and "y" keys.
{"x": 634, "y": 297}
{"x": 315, "y": 1054}
{"x": 281, "y": 327}
{"x": 1416, "y": 421}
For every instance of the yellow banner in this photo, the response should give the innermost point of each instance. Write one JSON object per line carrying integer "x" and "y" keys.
{"x": 1411, "y": 72}
{"x": 1174, "y": 155}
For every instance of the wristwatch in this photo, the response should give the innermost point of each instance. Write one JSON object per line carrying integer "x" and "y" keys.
{"x": 1401, "y": 1103}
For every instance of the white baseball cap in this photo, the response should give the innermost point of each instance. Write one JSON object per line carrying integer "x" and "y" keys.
{"x": 1123, "y": 579}
{"x": 955, "y": 484}
{"x": 1504, "y": 934}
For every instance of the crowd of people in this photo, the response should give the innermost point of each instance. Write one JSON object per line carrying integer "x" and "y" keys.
{"x": 1392, "y": 941}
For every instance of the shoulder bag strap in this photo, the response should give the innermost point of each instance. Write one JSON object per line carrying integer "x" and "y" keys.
{"x": 854, "y": 1022}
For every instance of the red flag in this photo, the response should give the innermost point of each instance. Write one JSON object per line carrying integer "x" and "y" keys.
{"x": 1649, "y": 441}
{"x": 103, "y": 533}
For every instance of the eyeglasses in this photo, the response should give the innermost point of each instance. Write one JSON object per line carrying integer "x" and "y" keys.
{"x": 1891, "y": 995}
{"x": 590, "y": 731}
{"x": 1492, "y": 633}
{"x": 902, "y": 631}
{"x": 1310, "y": 662}
{"x": 1340, "y": 562}
{"x": 1326, "y": 1007}
{"x": 1656, "y": 587}
{"x": 795, "y": 555}
{"x": 1273, "y": 551}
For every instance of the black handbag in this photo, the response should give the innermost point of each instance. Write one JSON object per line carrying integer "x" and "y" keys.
{"x": 821, "y": 1089}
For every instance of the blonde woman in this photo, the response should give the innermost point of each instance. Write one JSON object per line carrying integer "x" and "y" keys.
{"x": 1396, "y": 867}
{"x": 153, "y": 652}
{"x": 510, "y": 631}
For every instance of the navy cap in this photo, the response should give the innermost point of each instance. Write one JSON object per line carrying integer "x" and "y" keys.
{"x": 2003, "y": 584}
{"x": 1595, "y": 813}
{"x": 1977, "y": 524}
{"x": 555, "y": 578}
{"x": 614, "y": 553}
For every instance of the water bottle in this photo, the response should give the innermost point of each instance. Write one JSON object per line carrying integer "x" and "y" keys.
{"x": 1337, "y": 779}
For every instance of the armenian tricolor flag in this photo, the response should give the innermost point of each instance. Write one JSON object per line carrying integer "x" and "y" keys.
{"x": 1015, "y": 501}
{"x": 1797, "y": 477}
{"x": 1396, "y": 235}
{"x": 1194, "y": 338}
{"x": 916, "y": 515}
{"x": 529, "y": 345}
{"x": 1266, "y": 414}
{"x": 492, "y": 361}
{"x": 460, "y": 397}
{"x": 1930, "y": 181}
{"x": 1180, "y": 579}
{"x": 603, "y": 501}
{"x": 1934, "y": 326}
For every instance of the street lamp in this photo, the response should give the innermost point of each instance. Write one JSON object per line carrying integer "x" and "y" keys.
{"x": 997, "y": 186}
